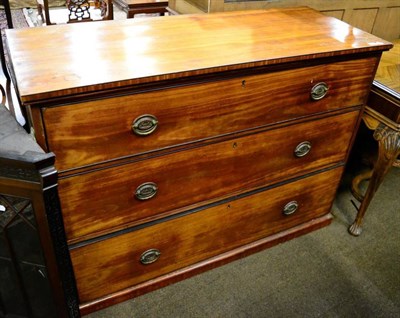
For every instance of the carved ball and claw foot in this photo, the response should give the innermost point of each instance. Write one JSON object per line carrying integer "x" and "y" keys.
{"x": 389, "y": 150}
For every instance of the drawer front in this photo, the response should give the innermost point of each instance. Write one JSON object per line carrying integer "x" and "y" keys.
{"x": 102, "y": 200}
{"x": 114, "y": 264}
{"x": 97, "y": 131}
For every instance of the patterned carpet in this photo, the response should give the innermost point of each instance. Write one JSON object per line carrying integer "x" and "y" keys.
{"x": 17, "y": 14}
{"x": 18, "y": 19}
{"x": 58, "y": 13}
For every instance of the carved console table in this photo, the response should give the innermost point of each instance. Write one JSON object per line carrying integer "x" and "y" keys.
{"x": 193, "y": 140}
{"x": 383, "y": 116}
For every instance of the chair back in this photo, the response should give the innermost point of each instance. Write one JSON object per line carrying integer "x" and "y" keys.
{"x": 79, "y": 11}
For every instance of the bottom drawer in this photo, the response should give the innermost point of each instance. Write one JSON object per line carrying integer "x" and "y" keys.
{"x": 116, "y": 263}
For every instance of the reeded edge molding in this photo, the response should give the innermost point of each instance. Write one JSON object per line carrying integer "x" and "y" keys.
{"x": 57, "y": 232}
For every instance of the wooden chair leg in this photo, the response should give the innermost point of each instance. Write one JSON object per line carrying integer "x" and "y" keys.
{"x": 6, "y": 93}
{"x": 3, "y": 95}
{"x": 7, "y": 11}
{"x": 47, "y": 12}
{"x": 355, "y": 184}
{"x": 40, "y": 13}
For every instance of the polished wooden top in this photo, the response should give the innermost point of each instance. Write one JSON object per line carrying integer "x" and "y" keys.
{"x": 64, "y": 60}
{"x": 388, "y": 72}
{"x": 384, "y": 99}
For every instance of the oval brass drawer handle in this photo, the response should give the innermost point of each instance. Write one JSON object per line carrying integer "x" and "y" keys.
{"x": 144, "y": 125}
{"x": 146, "y": 191}
{"x": 302, "y": 149}
{"x": 290, "y": 208}
{"x": 319, "y": 91}
{"x": 150, "y": 256}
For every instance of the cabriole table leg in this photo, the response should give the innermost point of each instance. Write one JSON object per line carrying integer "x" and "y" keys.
{"x": 389, "y": 150}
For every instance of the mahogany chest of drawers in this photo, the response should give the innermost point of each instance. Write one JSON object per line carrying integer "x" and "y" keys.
{"x": 186, "y": 142}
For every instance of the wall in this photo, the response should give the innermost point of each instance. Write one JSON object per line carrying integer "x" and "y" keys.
{"x": 379, "y": 17}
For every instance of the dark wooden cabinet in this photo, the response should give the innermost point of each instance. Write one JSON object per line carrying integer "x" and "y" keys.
{"x": 191, "y": 141}
{"x": 35, "y": 268}
{"x": 382, "y": 115}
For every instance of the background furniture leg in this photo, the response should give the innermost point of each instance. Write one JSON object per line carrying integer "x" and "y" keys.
{"x": 355, "y": 185}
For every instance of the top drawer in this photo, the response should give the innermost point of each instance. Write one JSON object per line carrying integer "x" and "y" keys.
{"x": 97, "y": 131}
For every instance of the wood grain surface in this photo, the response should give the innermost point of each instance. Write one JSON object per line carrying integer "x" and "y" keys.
{"x": 71, "y": 59}
{"x": 388, "y": 72}
{"x": 103, "y": 201}
{"x": 111, "y": 265}
{"x": 100, "y": 130}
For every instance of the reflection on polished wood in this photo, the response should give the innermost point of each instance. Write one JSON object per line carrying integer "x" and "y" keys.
{"x": 383, "y": 116}
{"x": 388, "y": 72}
{"x": 137, "y": 51}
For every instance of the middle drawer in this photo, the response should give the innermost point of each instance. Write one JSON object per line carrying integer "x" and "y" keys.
{"x": 103, "y": 201}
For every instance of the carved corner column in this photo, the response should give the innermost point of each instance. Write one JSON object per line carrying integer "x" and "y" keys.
{"x": 389, "y": 149}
